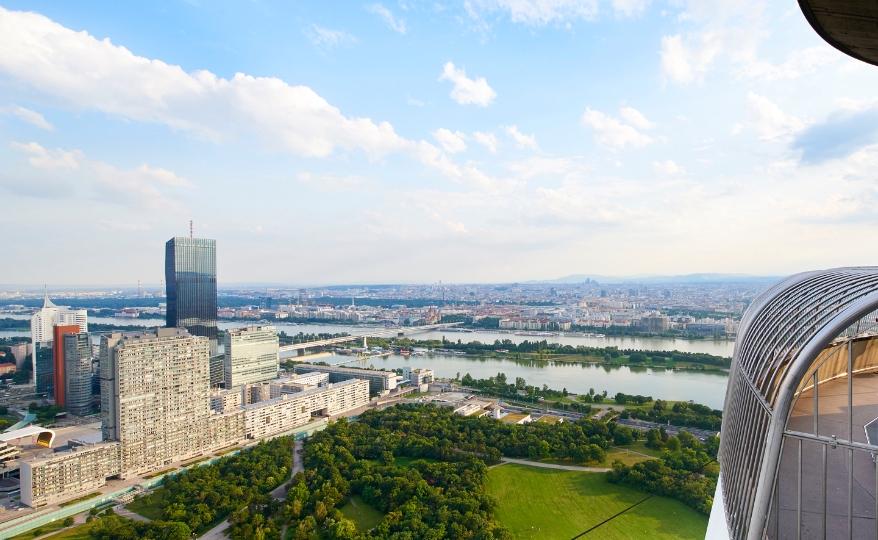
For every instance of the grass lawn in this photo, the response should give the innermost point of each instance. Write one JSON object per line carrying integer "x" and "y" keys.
{"x": 79, "y": 532}
{"x": 364, "y": 516}
{"x": 554, "y": 504}
{"x": 45, "y": 529}
{"x": 153, "y": 510}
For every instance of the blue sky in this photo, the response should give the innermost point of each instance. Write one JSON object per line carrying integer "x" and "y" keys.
{"x": 479, "y": 141}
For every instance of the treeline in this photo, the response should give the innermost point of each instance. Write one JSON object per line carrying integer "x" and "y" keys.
{"x": 628, "y": 331}
{"x": 424, "y": 500}
{"x": 607, "y": 353}
{"x": 686, "y": 471}
{"x": 681, "y": 414}
{"x": 236, "y": 487}
{"x": 498, "y": 386}
{"x": 8, "y": 323}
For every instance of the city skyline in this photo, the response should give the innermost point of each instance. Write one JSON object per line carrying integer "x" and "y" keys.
{"x": 396, "y": 142}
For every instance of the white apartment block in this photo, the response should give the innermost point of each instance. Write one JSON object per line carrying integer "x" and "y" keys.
{"x": 159, "y": 411}
{"x": 251, "y": 355}
{"x": 298, "y": 383}
{"x": 225, "y": 400}
{"x": 161, "y": 398}
{"x": 58, "y": 477}
{"x": 290, "y": 410}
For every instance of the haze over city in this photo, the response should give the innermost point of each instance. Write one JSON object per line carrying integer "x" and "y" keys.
{"x": 408, "y": 142}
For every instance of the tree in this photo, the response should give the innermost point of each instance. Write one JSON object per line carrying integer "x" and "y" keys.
{"x": 598, "y": 398}
{"x": 659, "y": 405}
{"x": 637, "y": 358}
{"x": 591, "y": 391}
{"x": 673, "y": 444}
{"x": 654, "y": 439}
{"x": 68, "y": 521}
{"x": 687, "y": 440}
{"x": 467, "y": 380}
{"x": 520, "y": 383}
{"x": 623, "y": 436}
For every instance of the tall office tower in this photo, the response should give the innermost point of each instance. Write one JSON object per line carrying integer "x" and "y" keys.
{"x": 41, "y": 330}
{"x": 251, "y": 355}
{"x": 190, "y": 272}
{"x": 161, "y": 398}
{"x": 77, "y": 373}
{"x": 58, "y": 369}
{"x": 217, "y": 370}
{"x": 44, "y": 367}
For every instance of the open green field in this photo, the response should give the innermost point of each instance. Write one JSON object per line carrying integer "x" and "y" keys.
{"x": 80, "y": 532}
{"x": 44, "y": 529}
{"x": 152, "y": 509}
{"x": 555, "y": 504}
{"x": 364, "y": 516}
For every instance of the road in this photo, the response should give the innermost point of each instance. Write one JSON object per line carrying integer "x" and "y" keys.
{"x": 699, "y": 434}
{"x": 217, "y": 532}
{"x": 553, "y": 466}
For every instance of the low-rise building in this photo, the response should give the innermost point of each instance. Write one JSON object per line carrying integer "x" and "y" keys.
{"x": 380, "y": 382}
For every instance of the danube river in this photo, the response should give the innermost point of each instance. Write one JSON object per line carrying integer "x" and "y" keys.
{"x": 708, "y": 388}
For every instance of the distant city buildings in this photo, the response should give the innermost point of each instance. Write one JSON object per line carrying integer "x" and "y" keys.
{"x": 190, "y": 273}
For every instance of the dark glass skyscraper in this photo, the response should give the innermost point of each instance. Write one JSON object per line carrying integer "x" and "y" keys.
{"x": 190, "y": 272}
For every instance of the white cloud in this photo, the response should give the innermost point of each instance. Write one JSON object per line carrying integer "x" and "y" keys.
{"x": 451, "y": 142}
{"x": 486, "y": 139}
{"x": 83, "y": 73}
{"x": 468, "y": 91}
{"x": 134, "y": 188}
{"x": 540, "y": 12}
{"x": 387, "y": 15}
{"x": 798, "y": 63}
{"x": 682, "y": 63}
{"x": 636, "y": 118}
{"x": 326, "y": 39}
{"x": 522, "y": 140}
{"x": 537, "y": 166}
{"x": 29, "y": 116}
{"x": 611, "y": 133}
{"x": 768, "y": 120}
{"x": 629, "y": 8}
{"x": 49, "y": 160}
{"x": 668, "y": 167}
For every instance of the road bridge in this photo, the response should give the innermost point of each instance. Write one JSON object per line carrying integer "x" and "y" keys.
{"x": 397, "y": 332}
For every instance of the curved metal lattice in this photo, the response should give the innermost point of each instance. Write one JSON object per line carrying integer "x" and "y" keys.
{"x": 782, "y": 326}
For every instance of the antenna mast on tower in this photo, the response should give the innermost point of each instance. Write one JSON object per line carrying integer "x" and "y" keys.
{"x": 138, "y": 288}
{"x": 190, "y": 228}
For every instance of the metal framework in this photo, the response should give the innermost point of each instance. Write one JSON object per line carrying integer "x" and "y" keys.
{"x": 795, "y": 457}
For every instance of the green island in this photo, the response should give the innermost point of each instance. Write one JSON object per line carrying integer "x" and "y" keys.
{"x": 422, "y": 472}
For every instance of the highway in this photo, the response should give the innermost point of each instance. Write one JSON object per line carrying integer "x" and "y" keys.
{"x": 334, "y": 341}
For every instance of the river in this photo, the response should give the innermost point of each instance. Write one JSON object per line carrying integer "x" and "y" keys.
{"x": 702, "y": 387}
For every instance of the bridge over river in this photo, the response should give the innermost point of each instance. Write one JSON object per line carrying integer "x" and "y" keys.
{"x": 398, "y": 332}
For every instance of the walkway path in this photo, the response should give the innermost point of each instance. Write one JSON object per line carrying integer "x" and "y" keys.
{"x": 126, "y": 513}
{"x": 280, "y": 492}
{"x": 217, "y": 532}
{"x": 553, "y": 466}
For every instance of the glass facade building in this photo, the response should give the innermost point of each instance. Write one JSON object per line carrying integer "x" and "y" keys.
{"x": 77, "y": 373}
{"x": 190, "y": 272}
{"x": 44, "y": 366}
{"x": 251, "y": 355}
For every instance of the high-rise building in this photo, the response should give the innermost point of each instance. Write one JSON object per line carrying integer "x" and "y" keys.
{"x": 190, "y": 272}
{"x": 44, "y": 367}
{"x": 156, "y": 411}
{"x": 58, "y": 368}
{"x": 77, "y": 353}
{"x": 251, "y": 355}
{"x": 41, "y": 330}
{"x": 161, "y": 401}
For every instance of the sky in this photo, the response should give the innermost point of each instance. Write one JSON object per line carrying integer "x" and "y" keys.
{"x": 412, "y": 142}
